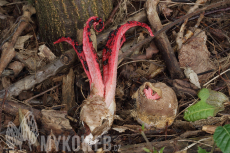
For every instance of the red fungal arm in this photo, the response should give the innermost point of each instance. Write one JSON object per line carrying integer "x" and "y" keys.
{"x": 88, "y": 55}
{"x": 149, "y": 94}
{"x": 110, "y": 57}
{"x": 91, "y": 55}
{"x": 78, "y": 50}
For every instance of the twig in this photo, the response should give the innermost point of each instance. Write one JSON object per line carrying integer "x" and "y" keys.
{"x": 47, "y": 71}
{"x": 195, "y": 142}
{"x": 216, "y": 77}
{"x": 26, "y": 101}
{"x": 135, "y": 61}
{"x": 162, "y": 41}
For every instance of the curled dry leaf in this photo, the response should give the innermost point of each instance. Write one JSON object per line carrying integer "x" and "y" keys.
{"x": 193, "y": 78}
{"x": 195, "y": 54}
{"x": 21, "y": 40}
{"x": 158, "y": 109}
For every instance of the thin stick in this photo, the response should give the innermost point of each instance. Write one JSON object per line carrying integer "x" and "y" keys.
{"x": 26, "y": 101}
{"x": 150, "y": 61}
{"x": 195, "y": 142}
{"x": 216, "y": 77}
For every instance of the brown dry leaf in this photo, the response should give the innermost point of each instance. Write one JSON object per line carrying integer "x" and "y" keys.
{"x": 21, "y": 40}
{"x": 195, "y": 54}
{"x": 209, "y": 128}
{"x": 152, "y": 49}
{"x": 55, "y": 120}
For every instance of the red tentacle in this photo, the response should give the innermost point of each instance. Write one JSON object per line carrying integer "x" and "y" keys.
{"x": 91, "y": 55}
{"x": 78, "y": 50}
{"x": 110, "y": 57}
{"x": 88, "y": 55}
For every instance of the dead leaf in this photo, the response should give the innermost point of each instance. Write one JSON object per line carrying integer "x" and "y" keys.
{"x": 152, "y": 49}
{"x": 21, "y": 40}
{"x": 193, "y": 78}
{"x": 195, "y": 54}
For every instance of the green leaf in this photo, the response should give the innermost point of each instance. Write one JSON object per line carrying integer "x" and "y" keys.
{"x": 200, "y": 150}
{"x": 146, "y": 150}
{"x": 211, "y": 102}
{"x": 154, "y": 151}
{"x": 162, "y": 149}
{"x": 222, "y": 138}
{"x": 200, "y": 110}
{"x": 203, "y": 94}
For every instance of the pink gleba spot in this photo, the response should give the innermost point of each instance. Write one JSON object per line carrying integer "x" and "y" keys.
{"x": 149, "y": 94}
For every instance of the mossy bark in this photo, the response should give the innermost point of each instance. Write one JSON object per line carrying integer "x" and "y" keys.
{"x": 59, "y": 18}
